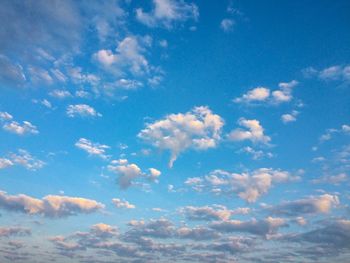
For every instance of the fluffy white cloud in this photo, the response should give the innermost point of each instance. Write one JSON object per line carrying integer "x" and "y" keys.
{"x": 49, "y": 206}
{"x": 122, "y": 203}
{"x": 82, "y": 110}
{"x": 5, "y": 116}
{"x": 254, "y": 132}
{"x": 206, "y": 213}
{"x": 92, "y": 148}
{"x": 256, "y": 154}
{"x": 248, "y": 186}
{"x": 289, "y": 117}
{"x": 167, "y": 12}
{"x": 262, "y": 227}
{"x": 198, "y": 129}
{"x": 25, "y": 128}
{"x": 339, "y": 73}
{"x": 4, "y": 162}
{"x": 60, "y": 94}
{"x": 25, "y": 159}
{"x": 261, "y": 95}
{"x": 154, "y": 174}
{"x": 311, "y": 205}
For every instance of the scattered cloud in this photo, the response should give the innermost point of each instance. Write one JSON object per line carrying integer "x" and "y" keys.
{"x": 340, "y": 73}
{"x": 92, "y": 148}
{"x": 122, "y": 203}
{"x": 166, "y": 13}
{"x": 289, "y": 117}
{"x": 82, "y": 110}
{"x": 254, "y": 132}
{"x": 227, "y": 24}
{"x": 198, "y": 129}
{"x": 49, "y": 206}
{"x": 14, "y": 231}
{"x": 206, "y": 213}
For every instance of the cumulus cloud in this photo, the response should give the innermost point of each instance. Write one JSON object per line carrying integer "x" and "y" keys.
{"x": 312, "y": 205}
{"x": 289, "y": 117}
{"x": 197, "y": 233}
{"x": 127, "y": 173}
{"x": 253, "y": 132}
{"x": 60, "y": 94}
{"x": 263, "y": 227}
{"x": 49, "y": 206}
{"x": 262, "y": 95}
{"x": 4, "y": 163}
{"x": 198, "y": 129}
{"x": 82, "y": 110}
{"x": 25, "y": 159}
{"x": 248, "y": 186}
{"x": 206, "y": 213}
{"x": 167, "y": 12}
{"x": 328, "y": 135}
{"x": 255, "y": 154}
{"x": 340, "y": 73}
{"x": 92, "y": 148}
{"x": 122, "y": 203}
{"x": 12, "y": 126}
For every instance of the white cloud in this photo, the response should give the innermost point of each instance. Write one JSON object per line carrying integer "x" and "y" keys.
{"x": 15, "y": 127}
{"x": 25, "y": 159}
{"x": 339, "y": 73}
{"x": 248, "y": 186}
{"x": 227, "y": 24}
{"x": 254, "y": 132}
{"x": 262, "y": 95}
{"x": 5, "y": 116}
{"x": 92, "y": 148}
{"x": 311, "y": 205}
{"x": 206, "y": 213}
{"x": 154, "y": 174}
{"x": 122, "y": 203}
{"x": 60, "y": 94}
{"x": 4, "y": 163}
{"x": 49, "y": 206}
{"x": 39, "y": 75}
{"x": 256, "y": 154}
{"x": 82, "y": 110}
{"x": 198, "y": 129}
{"x": 289, "y": 117}
{"x": 167, "y": 12}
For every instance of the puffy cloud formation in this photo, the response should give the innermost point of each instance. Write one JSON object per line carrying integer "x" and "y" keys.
{"x": 344, "y": 129}
{"x": 262, "y": 227}
{"x": 122, "y": 203}
{"x": 49, "y": 206}
{"x": 14, "y": 231}
{"x": 82, "y": 110}
{"x": 103, "y": 230}
{"x": 311, "y": 205}
{"x": 60, "y": 94}
{"x": 248, "y": 186}
{"x": 129, "y": 173}
{"x": 198, "y": 129}
{"x": 167, "y": 12}
{"x": 22, "y": 158}
{"x": 206, "y": 213}
{"x": 255, "y": 154}
{"x": 92, "y": 148}
{"x": 289, "y": 117}
{"x": 334, "y": 73}
{"x": 253, "y": 132}
{"x": 261, "y": 95}
{"x": 15, "y": 127}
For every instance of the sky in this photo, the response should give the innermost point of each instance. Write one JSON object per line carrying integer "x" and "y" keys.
{"x": 174, "y": 130}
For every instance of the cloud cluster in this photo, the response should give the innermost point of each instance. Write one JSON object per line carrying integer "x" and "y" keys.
{"x": 22, "y": 158}
{"x": 15, "y": 127}
{"x": 248, "y": 186}
{"x": 167, "y": 12}
{"x": 92, "y": 148}
{"x": 261, "y": 95}
{"x": 206, "y": 213}
{"x": 122, "y": 203}
{"x": 253, "y": 132}
{"x": 53, "y": 206}
{"x": 14, "y": 231}
{"x": 340, "y": 73}
{"x": 82, "y": 110}
{"x": 130, "y": 173}
{"x": 198, "y": 129}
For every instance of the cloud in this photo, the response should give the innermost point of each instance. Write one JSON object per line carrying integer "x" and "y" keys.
{"x": 261, "y": 95}
{"x": 339, "y": 73}
{"x": 25, "y": 159}
{"x": 49, "y": 206}
{"x": 15, "y": 127}
{"x": 129, "y": 56}
{"x": 197, "y": 233}
{"x": 254, "y": 132}
{"x": 308, "y": 206}
{"x": 167, "y": 12}
{"x": 256, "y": 154}
{"x": 227, "y": 24}
{"x": 263, "y": 227}
{"x": 197, "y": 129}
{"x": 92, "y": 148}
{"x": 10, "y": 72}
{"x": 154, "y": 174}
{"x": 4, "y": 163}
{"x": 248, "y": 186}
{"x": 127, "y": 173}
{"x": 82, "y": 110}
{"x": 289, "y": 117}
{"x": 344, "y": 129}
{"x": 122, "y": 203}
{"x": 14, "y": 231}
{"x": 159, "y": 228}
{"x": 329, "y": 179}
{"x": 206, "y": 213}
{"x": 5, "y": 116}
{"x": 60, "y": 94}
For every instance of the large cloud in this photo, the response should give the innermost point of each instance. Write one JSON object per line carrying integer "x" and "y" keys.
{"x": 248, "y": 185}
{"x": 49, "y": 206}
{"x": 198, "y": 129}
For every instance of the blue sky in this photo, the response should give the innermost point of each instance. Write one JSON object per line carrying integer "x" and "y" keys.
{"x": 190, "y": 131}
